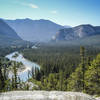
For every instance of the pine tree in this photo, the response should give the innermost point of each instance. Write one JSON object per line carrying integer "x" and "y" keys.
{"x": 19, "y": 82}
{"x": 33, "y": 72}
{"x": 61, "y": 80}
{"x": 92, "y": 77}
{"x": 15, "y": 75}
{"x": 88, "y": 61}
{"x": 76, "y": 80}
{"x": 12, "y": 83}
{"x": 52, "y": 82}
{"x": 82, "y": 64}
{"x": 2, "y": 83}
{"x": 37, "y": 74}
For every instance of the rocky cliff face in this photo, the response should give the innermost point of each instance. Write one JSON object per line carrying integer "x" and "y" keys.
{"x": 44, "y": 95}
{"x": 77, "y": 32}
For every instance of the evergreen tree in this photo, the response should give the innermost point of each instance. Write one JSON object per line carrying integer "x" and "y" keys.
{"x": 19, "y": 82}
{"x": 32, "y": 72}
{"x": 12, "y": 84}
{"x": 15, "y": 75}
{"x": 61, "y": 79}
{"x": 2, "y": 83}
{"x": 37, "y": 74}
{"x": 82, "y": 64}
{"x": 92, "y": 77}
{"x": 52, "y": 82}
{"x": 88, "y": 61}
{"x": 76, "y": 79}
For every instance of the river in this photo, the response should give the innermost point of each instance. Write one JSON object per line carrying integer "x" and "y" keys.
{"x": 28, "y": 64}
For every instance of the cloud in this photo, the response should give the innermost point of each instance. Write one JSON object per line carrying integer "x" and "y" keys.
{"x": 30, "y": 5}
{"x": 54, "y": 12}
{"x": 33, "y": 5}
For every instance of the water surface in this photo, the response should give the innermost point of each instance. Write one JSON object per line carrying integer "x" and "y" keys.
{"x": 28, "y": 64}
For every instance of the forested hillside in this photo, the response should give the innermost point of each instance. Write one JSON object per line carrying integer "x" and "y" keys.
{"x": 66, "y": 68}
{"x": 63, "y": 68}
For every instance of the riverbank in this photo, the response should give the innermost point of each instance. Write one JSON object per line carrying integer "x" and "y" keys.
{"x": 44, "y": 95}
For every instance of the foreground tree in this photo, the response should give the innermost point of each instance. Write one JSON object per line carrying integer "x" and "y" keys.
{"x": 15, "y": 77}
{"x": 82, "y": 64}
{"x": 61, "y": 79}
{"x": 76, "y": 79}
{"x": 92, "y": 77}
{"x": 1, "y": 80}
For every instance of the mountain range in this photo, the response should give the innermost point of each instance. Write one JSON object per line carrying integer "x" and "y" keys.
{"x": 16, "y": 31}
{"x": 34, "y": 30}
{"x": 7, "y": 34}
{"x": 78, "y": 32}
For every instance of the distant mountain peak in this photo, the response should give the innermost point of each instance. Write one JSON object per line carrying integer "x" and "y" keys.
{"x": 84, "y": 26}
{"x": 7, "y": 34}
{"x": 77, "y": 32}
{"x": 67, "y": 26}
{"x": 34, "y": 30}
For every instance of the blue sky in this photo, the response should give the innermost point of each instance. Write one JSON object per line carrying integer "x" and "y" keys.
{"x": 64, "y": 12}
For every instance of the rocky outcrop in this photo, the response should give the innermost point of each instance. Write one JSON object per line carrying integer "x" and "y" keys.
{"x": 77, "y": 32}
{"x": 44, "y": 95}
{"x": 98, "y": 98}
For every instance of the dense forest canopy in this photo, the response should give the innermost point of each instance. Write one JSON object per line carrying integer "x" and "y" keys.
{"x": 64, "y": 68}
{"x": 58, "y": 57}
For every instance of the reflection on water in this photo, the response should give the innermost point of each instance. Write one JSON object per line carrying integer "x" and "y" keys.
{"x": 28, "y": 64}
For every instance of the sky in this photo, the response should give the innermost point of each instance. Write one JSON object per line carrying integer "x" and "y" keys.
{"x": 64, "y": 12}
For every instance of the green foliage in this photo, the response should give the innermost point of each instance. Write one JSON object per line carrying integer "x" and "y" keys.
{"x": 7, "y": 84}
{"x": 61, "y": 79}
{"x": 54, "y": 59}
{"x": 1, "y": 80}
{"x": 92, "y": 77}
{"x": 86, "y": 77}
{"x": 52, "y": 82}
{"x": 15, "y": 75}
{"x": 75, "y": 81}
{"x": 62, "y": 68}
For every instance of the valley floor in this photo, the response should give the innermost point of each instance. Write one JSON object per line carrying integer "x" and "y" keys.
{"x": 44, "y": 95}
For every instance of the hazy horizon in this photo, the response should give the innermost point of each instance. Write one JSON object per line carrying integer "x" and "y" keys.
{"x": 49, "y": 20}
